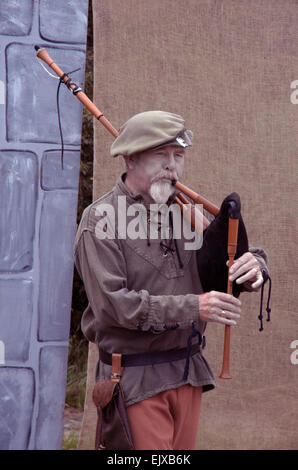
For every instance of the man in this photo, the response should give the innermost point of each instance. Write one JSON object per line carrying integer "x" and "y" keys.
{"x": 145, "y": 295}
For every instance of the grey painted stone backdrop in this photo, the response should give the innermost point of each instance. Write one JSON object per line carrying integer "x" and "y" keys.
{"x": 38, "y": 203}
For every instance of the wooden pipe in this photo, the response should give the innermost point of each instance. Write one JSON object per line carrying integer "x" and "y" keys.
{"x": 195, "y": 217}
{"x": 82, "y": 97}
{"x": 43, "y": 54}
{"x": 209, "y": 206}
{"x": 232, "y": 248}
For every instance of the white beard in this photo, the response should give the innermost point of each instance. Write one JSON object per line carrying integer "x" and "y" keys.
{"x": 161, "y": 190}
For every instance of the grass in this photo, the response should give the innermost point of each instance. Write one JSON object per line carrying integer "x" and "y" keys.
{"x": 70, "y": 441}
{"x": 75, "y": 388}
{"x": 76, "y": 373}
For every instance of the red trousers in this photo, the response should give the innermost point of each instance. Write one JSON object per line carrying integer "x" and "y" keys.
{"x": 166, "y": 421}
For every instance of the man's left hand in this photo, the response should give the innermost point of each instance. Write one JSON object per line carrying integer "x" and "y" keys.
{"x": 246, "y": 268}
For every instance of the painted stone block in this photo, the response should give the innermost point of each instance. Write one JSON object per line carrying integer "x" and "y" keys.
{"x": 18, "y": 197}
{"x": 53, "y": 176}
{"x": 31, "y": 105}
{"x": 16, "y": 17}
{"x": 63, "y": 21}
{"x": 52, "y": 383}
{"x": 16, "y": 407}
{"x": 16, "y": 318}
{"x": 57, "y": 233}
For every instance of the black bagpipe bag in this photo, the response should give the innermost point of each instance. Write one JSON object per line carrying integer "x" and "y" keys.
{"x": 213, "y": 255}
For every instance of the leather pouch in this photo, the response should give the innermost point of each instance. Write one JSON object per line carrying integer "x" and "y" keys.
{"x": 112, "y": 431}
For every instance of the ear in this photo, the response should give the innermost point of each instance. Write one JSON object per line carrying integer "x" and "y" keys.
{"x": 130, "y": 161}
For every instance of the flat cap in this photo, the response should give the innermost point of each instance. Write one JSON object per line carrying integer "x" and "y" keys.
{"x": 149, "y": 130}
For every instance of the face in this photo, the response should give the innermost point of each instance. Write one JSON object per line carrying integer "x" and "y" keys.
{"x": 151, "y": 173}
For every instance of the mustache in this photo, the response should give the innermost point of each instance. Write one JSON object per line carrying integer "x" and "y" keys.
{"x": 165, "y": 176}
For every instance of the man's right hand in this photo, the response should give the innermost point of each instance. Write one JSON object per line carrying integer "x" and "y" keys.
{"x": 219, "y": 307}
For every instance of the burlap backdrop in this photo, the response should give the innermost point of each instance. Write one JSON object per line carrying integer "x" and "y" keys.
{"x": 226, "y": 66}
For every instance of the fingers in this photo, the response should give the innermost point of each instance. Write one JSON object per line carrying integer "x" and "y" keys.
{"x": 228, "y": 307}
{"x": 258, "y": 282}
{"x": 225, "y": 321}
{"x": 242, "y": 260}
{"x": 241, "y": 266}
{"x": 250, "y": 275}
{"x": 226, "y": 301}
{"x": 246, "y": 268}
{"x": 228, "y": 318}
{"x": 219, "y": 307}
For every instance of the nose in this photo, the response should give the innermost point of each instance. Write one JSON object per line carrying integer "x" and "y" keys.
{"x": 170, "y": 163}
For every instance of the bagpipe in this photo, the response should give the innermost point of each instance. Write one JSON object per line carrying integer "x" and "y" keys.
{"x": 224, "y": 238}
